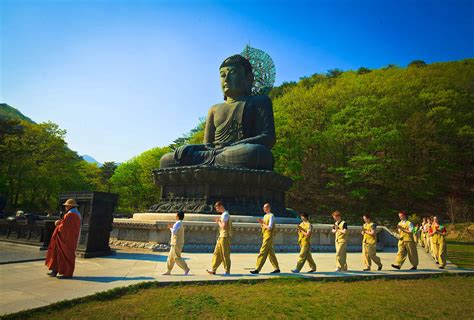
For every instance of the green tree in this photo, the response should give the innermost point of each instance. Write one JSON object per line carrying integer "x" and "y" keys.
{"x": 132, "y": 180}
{"x": 106, "y": 172}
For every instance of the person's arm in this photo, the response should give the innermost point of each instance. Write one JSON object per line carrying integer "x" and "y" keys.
{"x": 222, "y": 221}
{"x": 431, "y": 231}
{"x": 306, "y": 233}
{"x": 408, "y": 230}
{"x": 344, "y": 228}
{"x": 268, "y": 226}
{"x": 371, "y": 232}
{"x": 175, "y": 227}
{"x": 65, "y": 222}
{"x": 443, "y": 231}
{"x": 265, "y": 123}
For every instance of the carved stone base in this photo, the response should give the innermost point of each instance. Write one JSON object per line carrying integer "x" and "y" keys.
{"x": 195, "y": 189}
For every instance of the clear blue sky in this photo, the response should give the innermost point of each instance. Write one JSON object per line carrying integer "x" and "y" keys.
{"x": 125, "y": 76}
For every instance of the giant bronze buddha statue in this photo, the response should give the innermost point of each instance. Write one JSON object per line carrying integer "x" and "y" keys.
{"x": 240, "y": 132}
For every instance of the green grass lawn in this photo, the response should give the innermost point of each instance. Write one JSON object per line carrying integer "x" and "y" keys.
{"x": 444, "y": 297}
{"x": 461, "y": 253}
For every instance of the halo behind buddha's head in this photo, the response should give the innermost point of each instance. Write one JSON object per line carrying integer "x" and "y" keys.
{"x": 237, "y": 59}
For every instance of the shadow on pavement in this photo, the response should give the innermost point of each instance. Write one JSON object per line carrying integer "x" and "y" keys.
{"x": 139, "y": 256}
{"x": 110, "y": 279}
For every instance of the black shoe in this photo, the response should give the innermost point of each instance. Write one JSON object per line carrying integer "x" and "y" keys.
{"x": 312, "y": 270}
{"x": 437, "y": 262}
{"x": 211, "y": 272}
{"x": 366, "y": 269}
{"x": 379, "y": 268}
{"x": 276, "y": 271}
{"x": 413, "y": 268}
{"x": 395, "y": 266}
{"x": 441, "y": 267}
{"x": 60, "y": 276}
{"x": 254, "y": 271}
{"x": 52, "y": 273}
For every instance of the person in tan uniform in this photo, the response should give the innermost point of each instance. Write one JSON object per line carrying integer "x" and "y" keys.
{"x": 340, "y": 231}
{"x": 423, "y": 235}
{"x": 438, "y": 235}
{"x": 222, "y": 250}
{"x": 305, "y": 230}
{"x": 268, "y": 232}
{"x": 433, "y": 248}
{"x": 406, "y": 243}
{"x": 176, "y": 243}
{"x": 369, "y": 243}
{"x": 426, "y": 230}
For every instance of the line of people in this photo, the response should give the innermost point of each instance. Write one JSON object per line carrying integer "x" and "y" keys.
{"x": 431, "y": 235}
{"x": 221, "y": 255}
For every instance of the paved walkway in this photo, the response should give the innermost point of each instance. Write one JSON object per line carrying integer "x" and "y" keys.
{"x": 12, "y": 252}
{"x": 25, "y": 285}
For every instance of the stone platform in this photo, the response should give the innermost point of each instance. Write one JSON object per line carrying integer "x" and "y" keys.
{"x": 149, "y": 230}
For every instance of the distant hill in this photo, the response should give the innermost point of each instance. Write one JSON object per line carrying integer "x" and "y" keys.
{"x": 9, "y": 112}
{"x": 89, "y": 159}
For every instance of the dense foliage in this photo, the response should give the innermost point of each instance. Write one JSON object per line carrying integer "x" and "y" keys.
{"x": 378, "y": 140}
{"x": 36, "y": 165}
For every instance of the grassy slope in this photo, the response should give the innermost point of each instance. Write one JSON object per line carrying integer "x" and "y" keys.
{"x": 284, "y": 298}
{"x": 461, "y": 253}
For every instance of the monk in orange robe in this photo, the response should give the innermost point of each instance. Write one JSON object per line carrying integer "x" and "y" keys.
{"x": 61, "y": 256}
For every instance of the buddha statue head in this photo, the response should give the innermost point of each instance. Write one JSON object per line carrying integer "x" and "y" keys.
{"x": 236, "y": 77}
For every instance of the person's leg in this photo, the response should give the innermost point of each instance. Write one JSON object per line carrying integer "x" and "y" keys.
{"x": 412, "y": 253}
{"x": 217, "y": 256}
{"x": 262, "y": 256}
{"x": 366, "y": 256}
{"x": 401, "y": 254}
{"x": 302, "y": 257}
{"x": 442, "y": 254}
{"x": 179, "y": 260}
{"x": 341, "y": 256}
{"x": 432, "y": 248}
{"x": 309, "y": 259}
{"x": 434, "y": 252}
{"x": 171, "y": 259}
{"x": 226, "y": 254}
{"x": 272, "y": 256}
{"x": 373, "y": 255}
{"x": 344, "y": 256}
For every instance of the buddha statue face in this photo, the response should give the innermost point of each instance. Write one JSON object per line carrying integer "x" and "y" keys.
{"x": 236, "y": 77}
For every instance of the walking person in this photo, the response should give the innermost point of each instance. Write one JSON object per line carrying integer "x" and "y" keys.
{"x": 222, "y": 250}
{"x": 305, "y": 230}
{"x": 369, "y": 244}
{"x": 438, "y": 234}
{"x": 177, "y": 243}
{"x": 268, "y": 232}
{"x": 61, "y": 256}
{"x": 426, "y": 230}
{"x": 406, "y": 243}
{"x": 340, "y": 231}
